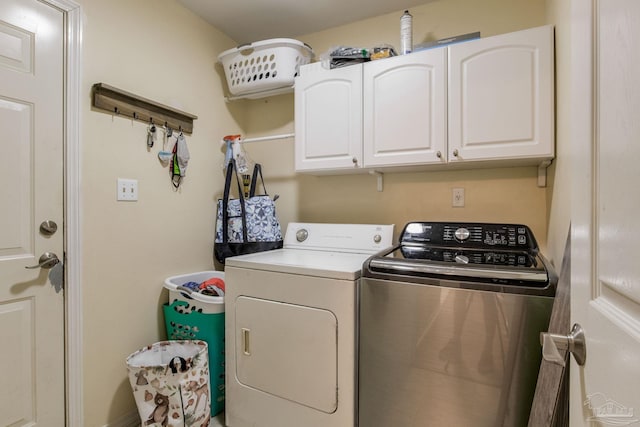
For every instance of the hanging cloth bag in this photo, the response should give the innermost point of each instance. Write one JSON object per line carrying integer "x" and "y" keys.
{"x": 245, "y": 226}
{"x": 170, "y": 383}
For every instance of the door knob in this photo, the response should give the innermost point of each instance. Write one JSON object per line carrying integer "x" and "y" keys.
{"x": 47, "y": 260}
{"x": 574, "y": 343}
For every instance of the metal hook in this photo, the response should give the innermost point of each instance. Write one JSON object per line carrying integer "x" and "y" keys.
{"x": 135, "y": 115}
{"x": 115, "y": 110}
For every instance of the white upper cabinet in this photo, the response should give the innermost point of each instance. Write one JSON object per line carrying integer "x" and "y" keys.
{"x": 501, "y": 103}
{"x": 492, "y": 103}
{"x": 328, "y": 118}
{"x": 405, "y": 110}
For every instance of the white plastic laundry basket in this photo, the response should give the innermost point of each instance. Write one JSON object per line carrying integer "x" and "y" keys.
{"x": 263, "y": 67}
{"x": 201, "y": 303}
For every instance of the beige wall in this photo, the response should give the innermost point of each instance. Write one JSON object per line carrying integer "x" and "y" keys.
{"x": 159, "y": 50}
{"x": 501, "y": 195}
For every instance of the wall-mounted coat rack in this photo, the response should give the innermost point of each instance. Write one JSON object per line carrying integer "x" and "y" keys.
{"x": 122, "y": 103}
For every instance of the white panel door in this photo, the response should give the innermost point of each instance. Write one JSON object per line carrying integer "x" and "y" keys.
{"x": 405, "y": 109}
{"x": 605, "y": 275}
{"x": 501, "y": 102}
{"x": 32, "y": 389}
{"x": 328, "y": 118}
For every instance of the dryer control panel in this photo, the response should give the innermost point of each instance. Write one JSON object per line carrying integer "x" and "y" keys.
{"x": 355, "y": 238}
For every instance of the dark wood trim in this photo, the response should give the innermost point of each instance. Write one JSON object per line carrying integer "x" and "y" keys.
{"x": 122, "y": 103}
{"x": 550, "y": 406}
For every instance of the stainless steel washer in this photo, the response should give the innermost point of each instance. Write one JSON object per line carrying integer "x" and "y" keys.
{"x": 449, "y": 326}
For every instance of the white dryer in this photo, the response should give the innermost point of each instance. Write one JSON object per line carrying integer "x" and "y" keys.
{"x": 291, "y": 341}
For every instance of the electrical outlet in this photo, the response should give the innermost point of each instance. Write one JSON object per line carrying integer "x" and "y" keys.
{"x": 127, "y": 190}
{"x": 457, "y": 197}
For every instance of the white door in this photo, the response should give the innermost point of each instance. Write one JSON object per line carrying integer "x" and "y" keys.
{"x": 405, "y": 109}
{"x": 605, "y": 234}
{"x": 31, "y": 162}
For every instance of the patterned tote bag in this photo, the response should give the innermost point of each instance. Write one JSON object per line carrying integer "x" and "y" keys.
{"x": 245, "y": 226}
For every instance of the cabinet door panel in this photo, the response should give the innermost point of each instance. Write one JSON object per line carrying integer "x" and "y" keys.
{"x": 501, "y": 97}
{"x": 405, "y": 109}
{"x": 328, "y": 124}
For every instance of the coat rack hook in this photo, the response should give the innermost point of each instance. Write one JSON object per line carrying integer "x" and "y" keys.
{"x": 135, "y": 115}
{"x": 115, "y": 110}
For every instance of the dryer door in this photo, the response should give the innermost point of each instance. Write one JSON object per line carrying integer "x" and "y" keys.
{"x": 283, "y": 348}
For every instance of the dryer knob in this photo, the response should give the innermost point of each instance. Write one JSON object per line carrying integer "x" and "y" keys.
{"x": 377, "y": 238}
{"x": 301, "y": 235}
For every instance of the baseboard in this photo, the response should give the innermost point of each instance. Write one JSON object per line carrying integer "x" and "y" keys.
{"x": 132, "y": 419}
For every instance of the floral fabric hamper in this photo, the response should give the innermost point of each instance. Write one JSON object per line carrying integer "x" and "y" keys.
{"x": 170, "y": 382}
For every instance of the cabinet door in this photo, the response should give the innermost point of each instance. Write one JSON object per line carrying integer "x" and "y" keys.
{"x": 328, "y": 118}
{"x": 405, "y": 109}
{"x": 501, "y": 97}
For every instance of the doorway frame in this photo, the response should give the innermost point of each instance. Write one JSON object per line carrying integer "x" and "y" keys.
{"x": 72, "y": 210}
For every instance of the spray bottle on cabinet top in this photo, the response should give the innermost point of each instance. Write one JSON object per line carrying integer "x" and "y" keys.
{"x": 406, "y": 33}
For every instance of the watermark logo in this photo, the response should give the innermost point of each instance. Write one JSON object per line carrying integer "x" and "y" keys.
{"x": 608, "y": 412}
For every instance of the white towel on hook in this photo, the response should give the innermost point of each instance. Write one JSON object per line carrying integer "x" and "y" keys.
{"x": 183, "y": 154}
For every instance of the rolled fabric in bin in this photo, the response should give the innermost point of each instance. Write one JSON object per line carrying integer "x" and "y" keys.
{"x": 170, "y": 383}
{"x": 182, "y": 323}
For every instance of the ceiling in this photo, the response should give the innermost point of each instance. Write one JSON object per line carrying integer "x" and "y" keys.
{"x": 247, "y": 21}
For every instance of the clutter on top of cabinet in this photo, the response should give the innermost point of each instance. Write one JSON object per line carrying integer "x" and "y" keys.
{"x": 382, "y": 51}
{"x": 447, "y": 41}
{"x": 340, "y": 56}
{"x": 264, "y": 68}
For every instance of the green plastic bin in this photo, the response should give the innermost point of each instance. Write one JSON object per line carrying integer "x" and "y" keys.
{"x": 184, "y": 321}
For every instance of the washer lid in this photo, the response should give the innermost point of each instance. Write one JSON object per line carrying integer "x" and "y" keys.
{"x": 334, "y": 265}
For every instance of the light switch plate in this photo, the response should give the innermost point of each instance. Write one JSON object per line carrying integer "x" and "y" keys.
{"x": 127, "y": 190}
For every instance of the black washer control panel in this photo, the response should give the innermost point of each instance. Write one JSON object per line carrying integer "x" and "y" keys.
{"x": 473, "y": 235}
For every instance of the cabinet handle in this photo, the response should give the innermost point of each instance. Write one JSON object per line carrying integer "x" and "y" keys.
{"x": 439, "y": 155}
{"x": 455, "y": 153}
{"x": 355, "y": 161}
